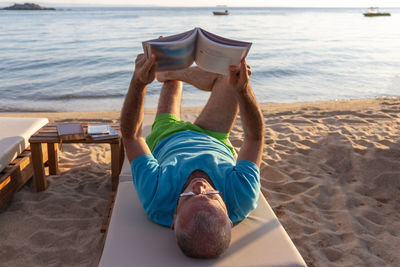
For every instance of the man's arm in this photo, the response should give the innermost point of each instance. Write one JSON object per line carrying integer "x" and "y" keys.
{"x": 133, "y": 109}
{"x": 250, "y": 113}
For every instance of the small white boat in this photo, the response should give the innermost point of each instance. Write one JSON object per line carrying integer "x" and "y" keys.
{"x": 374, "y": 12}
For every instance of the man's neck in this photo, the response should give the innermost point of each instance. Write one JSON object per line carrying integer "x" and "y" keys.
{"x": 197, "y": 174}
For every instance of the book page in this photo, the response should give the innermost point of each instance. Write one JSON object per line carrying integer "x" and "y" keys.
{"x": 173, "y": 52}
{"x": 216, "y": 54}
{"x": 224, "y": 41}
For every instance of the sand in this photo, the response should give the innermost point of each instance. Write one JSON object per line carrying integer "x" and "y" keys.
{"x": 330, "y": 171}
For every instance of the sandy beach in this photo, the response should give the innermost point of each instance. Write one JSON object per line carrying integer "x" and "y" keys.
{"x": 330, "y": 171}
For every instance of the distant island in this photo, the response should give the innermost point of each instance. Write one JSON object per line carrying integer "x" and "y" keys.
{"x": 28, "y": 6}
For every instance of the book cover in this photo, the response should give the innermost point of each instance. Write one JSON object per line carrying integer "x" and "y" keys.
{"x": 70, "y": 131}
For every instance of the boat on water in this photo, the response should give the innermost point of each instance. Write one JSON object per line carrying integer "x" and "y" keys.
{"x": 221, "y": 13}
{"x": 374, "y": 12}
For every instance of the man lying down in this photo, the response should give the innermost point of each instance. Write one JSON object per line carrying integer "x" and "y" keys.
{"x": 186, "y": 174}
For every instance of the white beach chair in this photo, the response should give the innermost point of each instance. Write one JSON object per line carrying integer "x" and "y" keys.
{"x": 134, "y": 240}
{"x": 15, "y": 163}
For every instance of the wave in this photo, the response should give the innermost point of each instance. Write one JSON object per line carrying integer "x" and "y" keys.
{"x": 41, "y": 64}
{"x": 90, "y": 84}
{"x": 35, "y": 64}
{"x": 77, "y": 96}
{"x": 278, "y": 73}
{"x": 24, "y": 110}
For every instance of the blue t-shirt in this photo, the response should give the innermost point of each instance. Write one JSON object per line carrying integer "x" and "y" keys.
{"x": 159, "y": 177}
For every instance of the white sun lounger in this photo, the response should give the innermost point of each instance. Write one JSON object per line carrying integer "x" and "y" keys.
{"x": 134, "y": 240}
{"x": 14, "y": 136}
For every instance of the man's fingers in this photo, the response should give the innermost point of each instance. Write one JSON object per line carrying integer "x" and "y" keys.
{"x": 243, "y": 73}
{"x": 140, "y": 62}
{"x": 233, "y": 71}
{"x": 243, "y": 69}
{"x": 153, "y": 64}
{"x": 149, "y": 63}
{"x": 152, "y": 72}
{"x": 139, "y": 57}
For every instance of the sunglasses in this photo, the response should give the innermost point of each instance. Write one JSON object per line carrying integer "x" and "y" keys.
{"x": 209, "y": 192}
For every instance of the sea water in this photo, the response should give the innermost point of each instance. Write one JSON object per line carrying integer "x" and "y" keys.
{"x": 82, "y": 59}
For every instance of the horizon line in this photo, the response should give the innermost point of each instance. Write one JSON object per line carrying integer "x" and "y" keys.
{"x": 66, "y": 5}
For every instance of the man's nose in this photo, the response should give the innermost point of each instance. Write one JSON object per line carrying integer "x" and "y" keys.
{"x": 199, "y": 187}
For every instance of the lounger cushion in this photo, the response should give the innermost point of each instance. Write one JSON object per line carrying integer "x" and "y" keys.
{"x": 134, "y": 240}
{"x": 14, "y": 136}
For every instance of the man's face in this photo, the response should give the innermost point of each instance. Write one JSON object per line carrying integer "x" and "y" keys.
{"x": 201, "y": 201}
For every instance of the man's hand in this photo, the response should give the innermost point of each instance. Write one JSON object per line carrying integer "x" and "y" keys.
{"x": 239, "y": 76}
{"x": 145, "y": 69}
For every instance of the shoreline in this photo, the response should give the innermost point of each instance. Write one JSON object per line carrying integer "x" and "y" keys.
{"x": 114, "y": 115}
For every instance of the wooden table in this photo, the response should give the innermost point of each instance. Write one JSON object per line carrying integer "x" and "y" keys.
{"x": 48, "y": 136}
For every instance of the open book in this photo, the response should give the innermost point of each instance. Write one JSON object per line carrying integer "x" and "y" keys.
{"x": 210, "y": 52}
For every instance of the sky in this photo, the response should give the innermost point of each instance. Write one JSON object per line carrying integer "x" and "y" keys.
{"x": 233, "y": 3}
